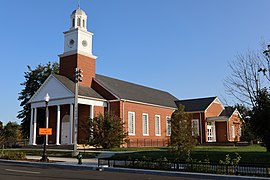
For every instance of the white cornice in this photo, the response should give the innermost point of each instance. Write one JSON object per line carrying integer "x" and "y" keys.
{"x": 77, "y": 52}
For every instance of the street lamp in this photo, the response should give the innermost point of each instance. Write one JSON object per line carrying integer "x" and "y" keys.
{"x": 44, "y": 155}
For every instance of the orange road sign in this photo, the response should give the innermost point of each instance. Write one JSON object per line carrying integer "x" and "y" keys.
{"x": 45, "y": 131}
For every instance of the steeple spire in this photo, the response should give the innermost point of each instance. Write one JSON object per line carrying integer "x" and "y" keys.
{"x": 79, "y": 7}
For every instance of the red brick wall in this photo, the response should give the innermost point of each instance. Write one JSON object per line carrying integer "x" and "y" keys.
{"x": 237, "y": 123}
{"x": 52, "y": 123}
{"x": 139, "y": 109}
{"x": 98, "y": 110}
{"x": 83, "y": 116}
{"x": 214, "y": 110}
{"x": 115, "y": 108}
{"x": 69, "y": 63}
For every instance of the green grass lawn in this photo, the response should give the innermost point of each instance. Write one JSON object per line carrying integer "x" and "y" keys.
{"x": 250, "y": 154}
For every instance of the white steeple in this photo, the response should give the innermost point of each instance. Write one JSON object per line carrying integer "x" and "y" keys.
{"x": 77, "y": 38}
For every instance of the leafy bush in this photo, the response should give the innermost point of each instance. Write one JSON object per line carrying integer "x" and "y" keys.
{"x": 13, "y": 155}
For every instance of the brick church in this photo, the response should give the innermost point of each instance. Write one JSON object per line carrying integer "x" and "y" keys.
{"x": 145, "y": 111}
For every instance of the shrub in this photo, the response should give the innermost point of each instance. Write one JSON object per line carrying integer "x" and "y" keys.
{"x": 13, "y": 155}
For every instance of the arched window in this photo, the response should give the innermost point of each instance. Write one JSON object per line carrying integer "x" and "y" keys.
{"x": 79, "y": 22}
{"x": 83, "y": 23}
{"x": 73, "y": 22}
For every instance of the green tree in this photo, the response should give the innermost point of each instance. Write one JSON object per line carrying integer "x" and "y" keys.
{"x": 34, "y": 78}
{"x": 2, "y": 135}
{"x": 181, "y": 133}
{"x": 260, "y": 118}
{"x": 12, "y": 133}
{"x": 247, "y": 133}
{"x": 106, "y": 131}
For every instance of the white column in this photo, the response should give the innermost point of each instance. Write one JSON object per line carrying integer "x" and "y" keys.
{"x": 35, "y": 127}
{"x": 92, "y": 111}
{"x": 58, "y": 126}
{"x": 31, "y": 127}
{"x": 91, "y": 117}
{"x": 47, "y": 124}
{"x": 71, "y": 123}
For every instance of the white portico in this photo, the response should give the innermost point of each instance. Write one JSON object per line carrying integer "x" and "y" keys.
{"x": 61, "y": 96}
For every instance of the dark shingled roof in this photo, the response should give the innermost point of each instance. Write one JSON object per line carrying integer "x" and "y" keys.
{"x": 135, "y": 92}
{"x": 83, "y": 91}
{"x": 199, "y": 104}
{"x": 228, "y": 111}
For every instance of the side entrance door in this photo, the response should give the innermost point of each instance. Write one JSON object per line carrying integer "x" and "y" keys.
{"x": 211, "y": 132}
{"x": 65, "y": 136}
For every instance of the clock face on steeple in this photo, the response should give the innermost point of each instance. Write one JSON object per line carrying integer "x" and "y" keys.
{"x": 71, "y": 43}
{"x": 84, "y": 43}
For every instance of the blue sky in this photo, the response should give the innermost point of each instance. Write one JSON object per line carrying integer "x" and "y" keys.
{"x": 180, "y": 46}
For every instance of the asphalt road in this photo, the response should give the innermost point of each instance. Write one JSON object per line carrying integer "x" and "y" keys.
{"x": 29, "y": 172}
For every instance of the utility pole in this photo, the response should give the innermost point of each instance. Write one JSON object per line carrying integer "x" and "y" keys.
{"x": 78, "y": 78}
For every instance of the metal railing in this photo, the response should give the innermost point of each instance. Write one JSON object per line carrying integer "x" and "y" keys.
{"x": 214, "y": 168}
{"x": 148, "y": 142}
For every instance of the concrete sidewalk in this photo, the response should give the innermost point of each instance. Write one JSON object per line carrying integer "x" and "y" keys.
{"x": 93, "y": 162}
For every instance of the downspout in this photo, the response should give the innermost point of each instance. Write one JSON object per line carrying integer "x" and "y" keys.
{"x": 123, "y": 113}
{"x": 108, "y": 106}
{"x": 201, "y": 126}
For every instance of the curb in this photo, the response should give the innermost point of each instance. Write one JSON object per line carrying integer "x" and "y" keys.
{"x": 181, "y": 174}
{"x": 137, "y": 171}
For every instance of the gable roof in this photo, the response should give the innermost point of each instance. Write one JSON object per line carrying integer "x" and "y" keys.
{"x": 83, "y": 91}
{"x": 199, "y": 104}
{"x": 228, "y": 111}
{"x": 130, "y": 91}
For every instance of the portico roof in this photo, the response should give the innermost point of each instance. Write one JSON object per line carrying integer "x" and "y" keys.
{"x": 83, "y": 90}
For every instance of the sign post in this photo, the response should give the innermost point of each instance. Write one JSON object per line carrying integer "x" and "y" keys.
{"x": 45, "y": 132}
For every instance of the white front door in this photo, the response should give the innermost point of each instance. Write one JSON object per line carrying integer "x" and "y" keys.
{"x": 65, "y": 135}
{"x": 211, "y": 132}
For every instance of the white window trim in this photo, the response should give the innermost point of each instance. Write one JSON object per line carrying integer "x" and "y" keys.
{"x": 134, "y": 120}
{"x": 198, "y": 132}
{"x": 167, "y": 127}
{"x": 233, "y": 132}
{"x": 145, "y": 134}
{"x": 159, "y": 130}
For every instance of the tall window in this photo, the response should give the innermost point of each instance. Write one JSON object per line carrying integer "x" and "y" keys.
{"x": 195, "y": 127}
{"x": 145, "y": 124}
{"x": 240, "y": 131}
{"x": 83, "y": 23}
{"x": 168, "y": 126}
{"x": 157, "y": 123}
{"x": 233, "y": 132}
{"x": 131, "y": 123}
{"x": 79, "y": 22}
{"x": 73, "y": 22}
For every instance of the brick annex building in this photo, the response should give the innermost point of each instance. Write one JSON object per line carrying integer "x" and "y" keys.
{"x": 145, "y": 111}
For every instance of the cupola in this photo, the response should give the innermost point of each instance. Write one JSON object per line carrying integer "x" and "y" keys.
{"x": 78, "y": 19}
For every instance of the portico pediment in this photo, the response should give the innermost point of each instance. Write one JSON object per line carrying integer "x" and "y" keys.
{"x": 54, "y": 88}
